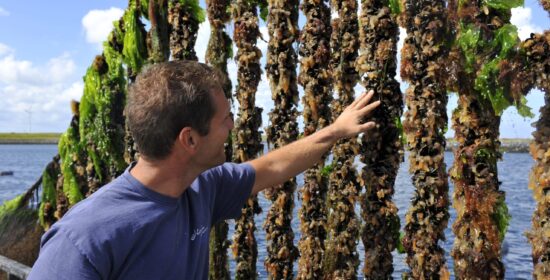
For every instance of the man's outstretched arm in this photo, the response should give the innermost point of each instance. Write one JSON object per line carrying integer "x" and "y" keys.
{"x": 278, "y": 166}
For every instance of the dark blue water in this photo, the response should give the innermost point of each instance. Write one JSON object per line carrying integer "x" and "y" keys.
{"x": 28, "y": 161}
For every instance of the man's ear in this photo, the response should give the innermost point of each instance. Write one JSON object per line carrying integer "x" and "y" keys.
{"x": 188, "y": 139}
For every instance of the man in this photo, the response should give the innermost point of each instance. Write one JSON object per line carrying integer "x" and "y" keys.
{"x": 153, "y": 221}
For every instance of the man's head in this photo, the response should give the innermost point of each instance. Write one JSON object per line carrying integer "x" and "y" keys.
{"x": 171, "y": 101}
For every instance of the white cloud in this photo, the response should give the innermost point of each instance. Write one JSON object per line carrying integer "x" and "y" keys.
{"x": 98, "y": 23}
{"x": 38, "y": 108}
{"x": 4, "y": 12}
{"x": 5, "y": 50}
{"x": 521, "y": 17}
{"x": 36, "y": 95}
{"x": 14, "y": 71}
{"x": 61, "y": 68}
{"x": 17, "y": 72}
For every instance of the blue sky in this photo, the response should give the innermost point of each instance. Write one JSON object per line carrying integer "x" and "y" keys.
{"x": 46, "y": 46}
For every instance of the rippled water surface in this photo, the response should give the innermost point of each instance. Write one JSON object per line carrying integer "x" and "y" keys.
{"x": 28, "y": 161}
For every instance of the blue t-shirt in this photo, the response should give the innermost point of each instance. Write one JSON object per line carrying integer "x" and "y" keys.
{"x": 127, "y": 231}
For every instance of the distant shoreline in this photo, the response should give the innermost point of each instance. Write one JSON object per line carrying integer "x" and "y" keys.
{"x": 508, "y": 145}
{"x": 29, "y": 138}
{"x": 29, "y": 142}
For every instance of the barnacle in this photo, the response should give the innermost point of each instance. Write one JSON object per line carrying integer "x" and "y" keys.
{"x": 315, "y": 79}
{"x": 423, "y": 57}
{"x": 381, "y": 148}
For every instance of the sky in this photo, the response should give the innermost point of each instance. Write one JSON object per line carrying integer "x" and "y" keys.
{"x": 46, "y": 47}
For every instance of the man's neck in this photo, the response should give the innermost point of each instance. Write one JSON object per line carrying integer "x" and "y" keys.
{"x": 165, "y": 176}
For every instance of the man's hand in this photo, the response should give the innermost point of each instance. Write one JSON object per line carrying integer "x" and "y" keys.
{"x": 349, "y": 123}
{"x": 278, "y": 166}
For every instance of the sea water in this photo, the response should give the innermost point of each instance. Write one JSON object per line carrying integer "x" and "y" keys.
{"x": 28, "y": 161}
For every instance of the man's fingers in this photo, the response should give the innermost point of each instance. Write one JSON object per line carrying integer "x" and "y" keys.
{"x": 352, "y": 105}
{"x": 365, "y": 110}
{"x": 365, "y": 100}
{"x": 367, "y": 126}
{"x": 359, "y": 99}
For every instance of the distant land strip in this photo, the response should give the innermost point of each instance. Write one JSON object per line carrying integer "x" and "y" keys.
{"x": 509, "y": 145}
{"x": 29, "y": 138}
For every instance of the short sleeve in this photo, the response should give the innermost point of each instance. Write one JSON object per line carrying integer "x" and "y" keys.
{"x": 60, "y": 259}
{"x": 235, "y": 187}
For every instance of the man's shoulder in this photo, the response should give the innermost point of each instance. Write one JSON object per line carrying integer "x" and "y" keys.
{"x": 111, "y": 211}
{"x": 227, "y": 169}
{"x": 220, "y": 174}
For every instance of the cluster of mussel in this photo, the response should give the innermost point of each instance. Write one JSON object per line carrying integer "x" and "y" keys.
{"x": 281, "y": 64}
{"x": 247, "y": 137}
{"x": 422, "y": 66}
{"x": 315, "y": 79}
{"x": 381, "y": 148}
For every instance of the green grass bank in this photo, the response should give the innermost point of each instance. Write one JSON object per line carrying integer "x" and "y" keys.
{"x": 29, "y": 138}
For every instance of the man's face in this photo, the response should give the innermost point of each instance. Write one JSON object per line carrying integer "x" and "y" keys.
{"x": 212, "y": 151}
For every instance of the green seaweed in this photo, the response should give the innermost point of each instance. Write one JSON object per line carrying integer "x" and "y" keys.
{"x": 523, "y": 109}
{"x": 327, "y": 170}
{"x": 197, "y": 13}
{"x": 468, "y": 41}
{"x": 503, "y": 4}
{"x": 48, "y": 194}
{"x": 486, "y": 81}
{"x": 506, "y": 38}
{"x": 395, "y": 6}
{"x": 144, "y": 7}
{"x": 502, "y": 217}
{"x": 486, "y": 155}
{"x": 68, "y": 152}
{"x": 487, "y": 85}
{"x": 104, "y": 80}
{"x": 399, "y": 246}
{"x": 11, "y": 205}
{"x": 116, "y": 83}
{"x": 263, "y": 9}
{"x": 90, "y": 102}
{"x": 134, "y": 51}
{"x": 401, "y": 131}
